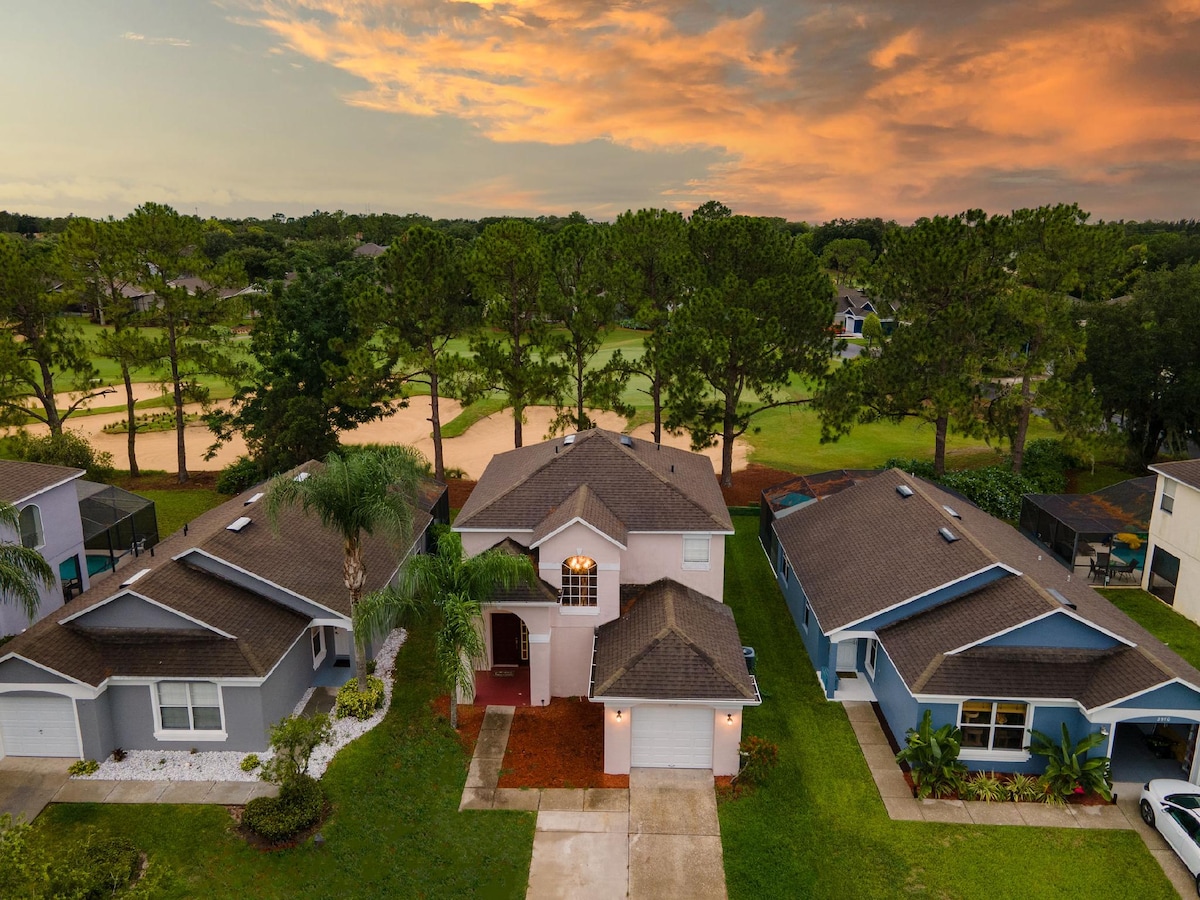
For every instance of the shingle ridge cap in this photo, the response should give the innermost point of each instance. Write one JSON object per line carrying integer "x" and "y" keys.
{"x": 554, "y": 458}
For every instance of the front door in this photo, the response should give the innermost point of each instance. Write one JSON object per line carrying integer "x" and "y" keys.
{"x": 510, "y": 645}
{"x": 847, "y": 656}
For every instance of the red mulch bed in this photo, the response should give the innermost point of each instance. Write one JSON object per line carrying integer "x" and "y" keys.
{"x": 167, "y": 481}
{"x": 558, "y": 746}
{"x": 749, "y": 483}
{"x": 470, "y": 720}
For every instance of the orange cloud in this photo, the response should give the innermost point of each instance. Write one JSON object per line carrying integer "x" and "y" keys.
{"x": 820, "y": 111}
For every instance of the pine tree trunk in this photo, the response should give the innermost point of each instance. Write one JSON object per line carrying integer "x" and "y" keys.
{"x": 656, "y": 399}
{"x": 177, "y": 395}
{"x": 1018, "y": 445}
{"x": 131, "y": 417}
{"x": 435, "y": 419}
{"x": 942, "y": 424}
{"x": 727, "y": 439}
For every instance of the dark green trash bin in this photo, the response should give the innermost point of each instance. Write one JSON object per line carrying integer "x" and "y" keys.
{"x": 751, "y": 659}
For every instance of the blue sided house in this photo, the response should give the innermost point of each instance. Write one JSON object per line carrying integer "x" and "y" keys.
{"x": 910, "y": 596}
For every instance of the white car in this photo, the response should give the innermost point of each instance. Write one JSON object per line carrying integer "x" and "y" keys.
{"x": 1173, "y": 808}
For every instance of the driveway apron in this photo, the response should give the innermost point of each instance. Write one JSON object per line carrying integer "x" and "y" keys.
{"x": 28, "y": 783}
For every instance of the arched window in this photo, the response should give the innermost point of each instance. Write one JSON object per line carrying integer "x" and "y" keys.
{"x": 578, "y": 581}
{"x": 31, "y": 528}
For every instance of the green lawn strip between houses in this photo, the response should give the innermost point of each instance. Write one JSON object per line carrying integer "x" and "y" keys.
{"x": 178, "y": 506}
{"x": 395, "y": 832}
{"x": 1179, "y": 633}
{"x": 818, "y": 829}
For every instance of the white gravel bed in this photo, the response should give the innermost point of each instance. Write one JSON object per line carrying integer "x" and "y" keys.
{"x": 225, "y": 765}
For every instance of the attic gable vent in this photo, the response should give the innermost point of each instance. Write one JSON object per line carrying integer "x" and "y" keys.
{"x": 626, "y": 440}
{"x": 569, "y": 439}
{"x": 1053, "y": 592}
{"x": 904, "y": 491}
{"x": 134, "y": 577}
{"x": 254, "y": 499}
{"x": 303, "y": 476}
{"x": 949, "y": 536}
{"x": 238, "y": 524}
{"x": 951, "y": 511}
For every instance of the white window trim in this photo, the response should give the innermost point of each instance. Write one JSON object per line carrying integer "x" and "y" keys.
{"x": 1167, "y": 502}
{"x": 189, "y": 735}
{"x": 41, "y": 526}
{"x": 986, "y": 754}
{"x": 318, "y": 658}
{"x": 579, "y": 610}
{"x": 872, "y": 656}
{"x": 698, "y": 566}
{"x": 806, "y": 618}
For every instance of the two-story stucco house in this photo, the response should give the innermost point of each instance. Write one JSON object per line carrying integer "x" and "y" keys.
{"x": 628, "y": 538}
{"x": 1172, "y": 571}
{"x": 48, "y": 504}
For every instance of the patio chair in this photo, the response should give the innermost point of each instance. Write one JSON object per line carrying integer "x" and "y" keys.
{"x": 1125, "y": 570}
{"x": 1100, "y": 566}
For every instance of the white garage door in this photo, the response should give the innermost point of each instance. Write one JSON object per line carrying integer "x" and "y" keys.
{"x": 38, "y": 726}
{"x": 674, "y": 737}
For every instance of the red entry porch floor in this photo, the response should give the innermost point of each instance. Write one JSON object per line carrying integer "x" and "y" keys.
{"x": 502, "y": 686}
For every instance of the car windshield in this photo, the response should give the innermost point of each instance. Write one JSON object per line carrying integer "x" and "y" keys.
{"x": 1187, "y": 801}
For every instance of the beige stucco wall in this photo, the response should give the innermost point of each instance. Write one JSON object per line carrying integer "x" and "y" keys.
{"x": 654, "y": 556}
{"x": 1178, "y": 532}
{"x": 618, "y": 739}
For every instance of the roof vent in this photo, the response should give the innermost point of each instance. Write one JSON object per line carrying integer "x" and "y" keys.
{"x": 951, "y": 511}
{"x": 904, "y": 491}
{"x": 134, "y": 577}
{"x": 1053, "y": 592}
{"x": 303, "y": 476}
{"x": 254, "y": 499}
{"x": 949, "y": 535}
{"x": 238, "y": 524}
{"x": 626, "y": 440}
{"x": 569, "y": 439}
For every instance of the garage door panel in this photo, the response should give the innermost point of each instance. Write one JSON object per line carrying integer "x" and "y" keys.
{"x": 678, "y": 737}
{"x": 38, "y": 726}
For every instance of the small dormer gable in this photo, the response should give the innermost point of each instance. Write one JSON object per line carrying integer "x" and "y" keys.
{"x": 131, "y": 611}
{"x": 1057, "y": 628}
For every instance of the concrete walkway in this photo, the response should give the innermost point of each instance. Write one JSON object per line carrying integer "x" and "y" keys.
{"x": 28, "y": 783}
{"x": 900, "y": 804}
{"x": 658, "y": 839}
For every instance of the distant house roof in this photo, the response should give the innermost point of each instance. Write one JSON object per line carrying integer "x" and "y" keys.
{"x": 369, "y": 249}
{"x": 673, "y": 643}
{"x": 805, "y": 488}
{"x": 871, "y": 549}
{"x": 1187, "y": 471}
{"x": 632, "y": 485}
{"x": 21, "y": 481}
{"x": 1124, "y": 506}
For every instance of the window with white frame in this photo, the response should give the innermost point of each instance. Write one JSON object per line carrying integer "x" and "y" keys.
{"x": 872, "y": 655}
{"x": 578, "y": 582}
{"x": 695, "y": 551}
{"x": 807, "y": 613}
{"x": 32, "y": 536}
{"x": 993, "y": 725}
{"x": 317, "y": 637}
{"x": 189, "y": 706}
{"x": 1167, "y": 503}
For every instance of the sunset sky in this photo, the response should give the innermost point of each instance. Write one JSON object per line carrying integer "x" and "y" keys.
{"x": 895, "y": 108}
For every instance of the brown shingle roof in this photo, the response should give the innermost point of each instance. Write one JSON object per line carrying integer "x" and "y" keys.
{"x": 1187, "y": 471}
{"x": 646, "y": 486}
{"x": 673, "y": 643}
{"x": 538, "y": 592}
{"x": 582, "y": 504}
{"x": 22, "y": 480}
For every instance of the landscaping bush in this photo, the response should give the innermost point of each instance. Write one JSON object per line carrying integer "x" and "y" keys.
{"x": 298, "y": 805}
{"x": 919, "y": 467}
{"x": 69, "y": 449}
{"x": 759, "y": 756}
{"x": 1045, "y": 464}
{"x": 239, "y": 475}
{"x": 119, "y": 754}
{"x": 250, "y": 762}
{"x": 293, "y": 739}
{"x": 997, "y": 490}
{"x": 1068, "y": 771}
{"x": 985, "y": 786}
{"x": 932, "y": 757}
{"x": 83, "y": 767}
{"x": 1022, "y": 788}
{"x": 360, "y": 704}
{"x": 96, "y": 867}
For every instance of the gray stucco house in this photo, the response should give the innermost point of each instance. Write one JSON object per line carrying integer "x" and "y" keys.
{"x": 205, "y": 644}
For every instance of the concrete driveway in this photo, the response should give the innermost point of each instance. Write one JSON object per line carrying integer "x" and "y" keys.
{"x": 28, "y": 783}
{"x": 664, "y": 842}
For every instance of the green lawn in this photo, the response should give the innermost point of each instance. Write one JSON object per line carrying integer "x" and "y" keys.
{"x": 396, "y": 830}
{"x": 175, "y": 507}
{"x": 819, "y": 829}
{"x": 1180, "y": 634}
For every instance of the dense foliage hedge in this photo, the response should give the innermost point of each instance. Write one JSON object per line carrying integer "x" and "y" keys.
{"x": 298, "y": 805}
{"x": 360, "y": 704}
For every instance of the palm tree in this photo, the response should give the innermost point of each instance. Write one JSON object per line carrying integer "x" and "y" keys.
{"x": 22, "y": 570}
{"x": 362, "y": 493}
{"x": 454, "y": 587}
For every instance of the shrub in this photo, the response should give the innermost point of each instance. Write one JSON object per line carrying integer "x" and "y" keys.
{"x": 919, "y": 467}
{"x": 96, "y": 867}
{"x": 360, "y": 704}
{"x": 996, "y": 490}
{"x": 67, "y": 449}
{"x": 1068, "y": 770}
{"x": 984, "y": 786}
{"x": 118, "y": 755}
{"x": 240, "y": 474}
{"x": 932, "y": 757}
{"x": 250, "y": 762}
{"x": 759, "y": 756}
{"x": 83, "y": 767}
{"x": 1045, "y": 464}
{"x": 298, "y": 805}
{"x": 294, "y": 739}
{"x": 1022, "y": 788}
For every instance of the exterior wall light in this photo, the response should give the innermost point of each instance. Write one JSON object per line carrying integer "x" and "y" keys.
{"x": 729, "y": 718}
{"x": 618, "y": 715}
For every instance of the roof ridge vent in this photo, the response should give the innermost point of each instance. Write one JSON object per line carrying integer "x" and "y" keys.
{"x": 949, "y": 536}
{"x": 254, "y": 499}
{"x": 134, "y": 577}
{"x": 569, "y": 439}
{"x": 904, "y": 491}
{"x": 238, "y": 524}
